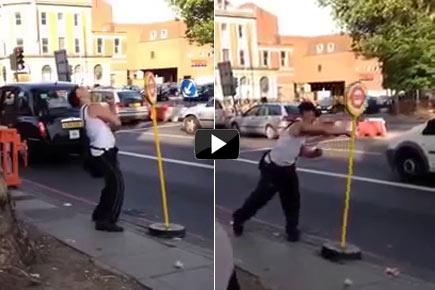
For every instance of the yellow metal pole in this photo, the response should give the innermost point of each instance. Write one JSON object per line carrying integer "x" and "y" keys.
{"x": 160, "y": 166}
{"x": 348, "y": 184}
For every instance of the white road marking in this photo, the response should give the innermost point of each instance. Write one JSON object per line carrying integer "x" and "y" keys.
{"x": 167, "y": 160}
{"x": 324, "y": 149}
{"x": 147, "y": 128}
{"x": 355, "y": 177}
{"x": 169, "y": 135}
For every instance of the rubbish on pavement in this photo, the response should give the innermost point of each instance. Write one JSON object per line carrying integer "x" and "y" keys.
{"x": 67, "y": 204}
{"x": 35, "y": 275}
{"x": 348, "y": 282}
{"x": 392, "y": 271}
{"x": 178, "y": 264}
{"x": 276, "y": 234}
{"x": 70, "y": 241}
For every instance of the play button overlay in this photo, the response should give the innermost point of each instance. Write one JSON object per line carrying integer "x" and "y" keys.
{"x": 217, "y": 144}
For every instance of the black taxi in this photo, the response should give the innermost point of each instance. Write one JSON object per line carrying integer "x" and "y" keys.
{"x": 42, "y": 116}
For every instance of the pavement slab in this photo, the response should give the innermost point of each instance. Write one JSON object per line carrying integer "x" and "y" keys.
{"x": 298, "y": 266}
{"x": 149, "y": 261}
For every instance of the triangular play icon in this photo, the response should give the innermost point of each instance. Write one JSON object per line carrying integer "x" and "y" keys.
{"x": 216, "y": 144}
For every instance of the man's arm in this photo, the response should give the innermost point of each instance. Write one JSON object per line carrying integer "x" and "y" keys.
{"x": 105, "y": 114}
{"x": 323, "y": 130}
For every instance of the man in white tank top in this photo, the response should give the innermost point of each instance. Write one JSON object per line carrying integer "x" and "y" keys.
{"x": 99, "y": 122}
{"x": 278, "y": 171}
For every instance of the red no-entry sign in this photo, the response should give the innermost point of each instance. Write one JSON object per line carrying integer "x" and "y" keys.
{"x": 355, "y": 99}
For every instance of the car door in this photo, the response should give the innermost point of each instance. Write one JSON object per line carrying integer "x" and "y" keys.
{"x": 261, "y": 119}
{"x": 206, "y": 115}
{"x": 247, "y": 121}
{"x": 428, "y": 143}
{"x": 8, "y": 115}
{"x": 27, "y": 122}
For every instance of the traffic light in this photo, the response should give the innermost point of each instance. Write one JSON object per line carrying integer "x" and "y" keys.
{"x": 19, "y": 56}
{"x": 235, "y": 83}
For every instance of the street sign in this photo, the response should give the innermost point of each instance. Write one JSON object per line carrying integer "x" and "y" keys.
{"x": 189, "y": 89}
{"x": 355, "y": 99}
{"x": 227, "y": 79}
{"x": 150, "y": 88}
{"x": 62, "y": 66}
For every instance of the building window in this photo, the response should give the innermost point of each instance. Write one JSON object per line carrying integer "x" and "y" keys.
{"x": 265, "y": 58}
{"x": 331, "y": 47}
{"x": 225, "y": 54}
{"x": 319, "y": 68}
{"x": 264, "y": 86}
{"x": 153, "y": 54}
{"x": 76, "y": 19}
{"x": 18, "y": 18}
{"x": 242, "y": 57}
{"x": 77, "y": 45}
{"x": 59, "y": 16}
{"x": 20, "y": 42}
{"x": 45, "y": 45}
{"x": 61, "y": 42}
{"x": 240, "y": 31}
{"x": 153, "y": 35}
{"x": 46, "y": 73}
{"x": 319, "y": 48}
{"x": 43, "y": 18}
{"x": 117, "y": 46}
{"x": 99, "y": 45}
{"x": 163, "y": 34}
{"x": 98, "y": 72}
{"x": 224, "y": 27}
{"x": 284, "y": 58}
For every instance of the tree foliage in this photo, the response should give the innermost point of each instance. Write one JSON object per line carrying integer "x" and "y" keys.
{"x": 199, "y": 17}
{"x": 400, "y": 33}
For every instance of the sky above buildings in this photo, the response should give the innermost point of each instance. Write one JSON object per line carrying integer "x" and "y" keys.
{"x": 296, "y": 17}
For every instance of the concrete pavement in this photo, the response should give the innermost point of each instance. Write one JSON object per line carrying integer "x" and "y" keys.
{"x": 156, "y": 264}
{"x": 298, "y": 266}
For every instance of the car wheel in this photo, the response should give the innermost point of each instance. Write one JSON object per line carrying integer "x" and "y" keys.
{"x": 235, "y": 126}
{"x": 191, "y": 124}
{"x": 409, "y": 165}
{"x": 270, "y": 132}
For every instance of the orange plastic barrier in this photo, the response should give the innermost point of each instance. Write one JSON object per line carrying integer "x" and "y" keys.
{"x": 372, "y": 127}
{"x": 11, "y": 145}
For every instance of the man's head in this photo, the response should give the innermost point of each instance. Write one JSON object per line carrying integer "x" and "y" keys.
{"x": 79, "y": 96}
{"x": 308, "y": 111}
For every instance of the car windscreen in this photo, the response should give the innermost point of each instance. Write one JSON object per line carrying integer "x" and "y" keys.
{"x": 130, "y": 96}
{"x": 291, "y": 110}
{"x": 51, "y": 99}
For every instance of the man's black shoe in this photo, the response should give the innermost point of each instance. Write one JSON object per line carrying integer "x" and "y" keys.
{"x": 237, "y": 229}
{"x": 108, "y": 227}
{"x": 294, "y": 236}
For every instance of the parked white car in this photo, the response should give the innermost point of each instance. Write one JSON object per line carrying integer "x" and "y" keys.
{"x": 198, "y": 116}
{"x": 412, "y": 154}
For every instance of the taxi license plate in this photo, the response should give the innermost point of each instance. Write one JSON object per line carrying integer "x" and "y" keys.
{"x": 72, "y": 125}
{"x": 135, "y": 105}
{"x": 74, "y": 134}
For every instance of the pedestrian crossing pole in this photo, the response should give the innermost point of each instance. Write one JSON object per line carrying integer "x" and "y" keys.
{"x": 355, "y": 99}
{"x": 165, "y": 229}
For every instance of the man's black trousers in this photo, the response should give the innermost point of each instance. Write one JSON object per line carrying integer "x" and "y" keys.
{"x": 274, "y": 178}
{"x": 112, "y": 195}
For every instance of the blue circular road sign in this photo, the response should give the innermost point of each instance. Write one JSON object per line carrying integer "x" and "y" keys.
{"x": 189, "y": 89}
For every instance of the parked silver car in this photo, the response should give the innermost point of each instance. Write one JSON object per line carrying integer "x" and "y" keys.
{"x": 130, "y": 104}
{"x": 198, "y": 116}
{"x": 266, "y": 119}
